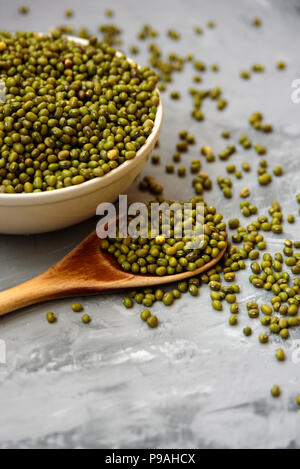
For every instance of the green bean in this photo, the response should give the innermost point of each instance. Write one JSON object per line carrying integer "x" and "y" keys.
{"x": 281, "y": 65}
{"x": 263, "y": 338}
{"x": 266, "y": 309}
{"x": 24, "y": 10}
{"x": 168, "y": 299}
{"x": 51, "y": 318}
{"x": 145, "y": 314}
{"x": 253, "y": 313}
{"x": 278, "y": 171}
{"x": 275, "y": 391}
{"x": 258, "y": 68}
{"x": 234, "y": 223}
{"x": 69, "y": 13}
{"x": 86, "y": 319}
{"x": 175, "y": 95}
{"x": 127, "y": 302}
{"x": 152, "y": 321}
{"x": 217, "y": 305}
{"x": 245, "y": 74}
{"x": 284, "y": 333}
{"x": 233, "y": 320}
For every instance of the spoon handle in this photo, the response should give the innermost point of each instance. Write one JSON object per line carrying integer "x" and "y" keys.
{"x": 39, "y": 289}
{"x": 60, "y": 281}
{"x": 26, "y": 294}
{"x": 82, "y": 272}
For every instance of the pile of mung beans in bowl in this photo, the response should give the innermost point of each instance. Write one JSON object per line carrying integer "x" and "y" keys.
{"x": 78, "y": 122}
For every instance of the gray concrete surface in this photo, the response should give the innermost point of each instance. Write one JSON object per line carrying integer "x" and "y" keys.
{"x": 195, "y": 382}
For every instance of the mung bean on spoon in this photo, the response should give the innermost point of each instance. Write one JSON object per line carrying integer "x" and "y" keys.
{"x": 87, "y": 270}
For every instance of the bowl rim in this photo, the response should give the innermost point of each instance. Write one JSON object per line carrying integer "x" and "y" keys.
{"x": 87, "y": 187}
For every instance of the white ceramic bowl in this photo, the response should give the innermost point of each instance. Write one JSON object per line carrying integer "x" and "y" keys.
{"x": 50, "y": 211}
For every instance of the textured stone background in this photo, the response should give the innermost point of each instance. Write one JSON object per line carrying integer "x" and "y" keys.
{"x": 195, "y": 381}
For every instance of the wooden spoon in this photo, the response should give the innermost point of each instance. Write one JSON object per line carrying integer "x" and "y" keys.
{"x": 86, "y": 270}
